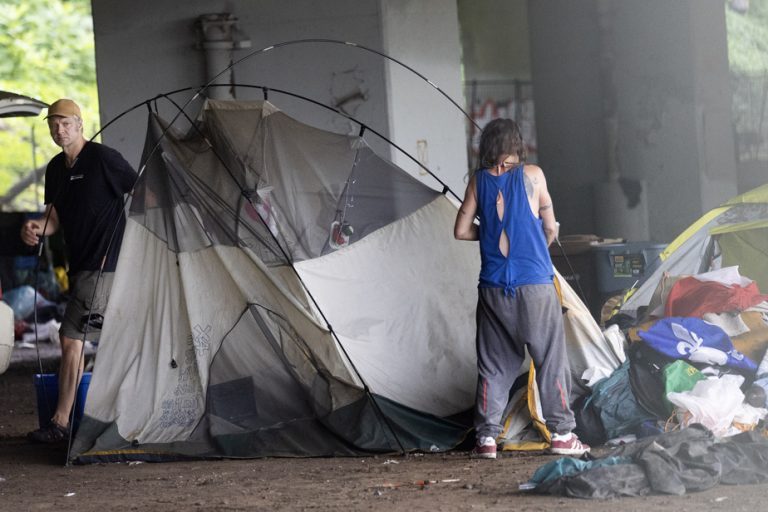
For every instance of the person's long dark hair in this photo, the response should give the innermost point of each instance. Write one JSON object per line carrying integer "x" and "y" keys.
{"x": 500, "y": 137}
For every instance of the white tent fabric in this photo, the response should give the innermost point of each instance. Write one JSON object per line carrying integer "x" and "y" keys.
{"x": 444, "y": 370}
{"x": 587, "y": 345}
{"x": 184, "y": 317}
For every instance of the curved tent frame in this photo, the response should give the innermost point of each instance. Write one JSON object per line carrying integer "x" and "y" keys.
{"x": 249, "y": 197}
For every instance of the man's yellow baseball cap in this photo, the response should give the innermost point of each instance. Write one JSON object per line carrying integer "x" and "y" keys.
{"x": 63, "y": 108}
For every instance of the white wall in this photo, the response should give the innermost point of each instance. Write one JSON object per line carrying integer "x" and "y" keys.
{"x": 145, "y": 47}
{"x": 424, "y": 35}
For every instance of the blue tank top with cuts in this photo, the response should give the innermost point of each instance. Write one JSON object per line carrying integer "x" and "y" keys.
{"x": 528, "y": 261}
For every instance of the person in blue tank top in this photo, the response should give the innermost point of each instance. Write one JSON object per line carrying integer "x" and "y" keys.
{"x": 517, "y": 307}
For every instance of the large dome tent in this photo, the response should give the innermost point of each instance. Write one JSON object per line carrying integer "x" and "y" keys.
{"x": 211, "y": 303}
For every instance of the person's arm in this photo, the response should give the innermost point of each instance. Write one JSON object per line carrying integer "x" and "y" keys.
{"x": 119, "y": 173}
{"x": 546, "y": 211}
{"x": 32, "y": 230}
{"x": 465, "y": 227}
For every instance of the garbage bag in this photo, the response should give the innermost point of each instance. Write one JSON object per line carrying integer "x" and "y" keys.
{"x": 22, "y": 301}
{"x": 678, "y": 377}
{"x": 712, "y": 402}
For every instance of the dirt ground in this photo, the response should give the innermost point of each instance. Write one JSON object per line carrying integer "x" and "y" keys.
{"x": 34, "y": 477}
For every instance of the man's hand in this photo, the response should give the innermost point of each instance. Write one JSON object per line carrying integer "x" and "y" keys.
{"x": 30, "y": 232}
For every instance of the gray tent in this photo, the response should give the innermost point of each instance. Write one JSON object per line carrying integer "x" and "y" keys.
{"x": 229, "y": 333}
{"x": 283, "y": 291}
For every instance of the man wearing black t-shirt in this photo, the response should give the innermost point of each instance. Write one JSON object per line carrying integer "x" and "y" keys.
{"x": 84, "y": 196}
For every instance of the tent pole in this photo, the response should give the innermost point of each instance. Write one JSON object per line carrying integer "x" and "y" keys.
{"x": 199, "y": 92}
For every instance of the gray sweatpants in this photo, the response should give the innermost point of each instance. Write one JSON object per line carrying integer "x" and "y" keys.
{"x": 506, "y": 324}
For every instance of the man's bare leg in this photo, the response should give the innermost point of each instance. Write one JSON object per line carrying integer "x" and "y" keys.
{"x": 70, "y": 373}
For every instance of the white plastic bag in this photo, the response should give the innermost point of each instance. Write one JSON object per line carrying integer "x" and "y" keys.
{"x": 6, "y": 335}
{"x": 746, "y": 418}
{"x": 712, "y": 402}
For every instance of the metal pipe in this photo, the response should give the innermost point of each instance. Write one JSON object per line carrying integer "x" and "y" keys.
{"x": 219, "y": 37}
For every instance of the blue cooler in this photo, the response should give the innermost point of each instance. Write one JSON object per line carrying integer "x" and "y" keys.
{"x": 47, "y": 387}
{"x": 620, "y": 266}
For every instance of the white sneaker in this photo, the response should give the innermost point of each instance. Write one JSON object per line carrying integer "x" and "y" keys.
{"x": 485, "y": 448}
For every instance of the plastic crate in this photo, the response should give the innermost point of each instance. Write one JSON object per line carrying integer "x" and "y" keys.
{"x": 620, "y": 266}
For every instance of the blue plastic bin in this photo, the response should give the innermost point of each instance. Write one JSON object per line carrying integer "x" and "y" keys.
{"x": 47, "y": 388}
{"x": 619, "y": 266}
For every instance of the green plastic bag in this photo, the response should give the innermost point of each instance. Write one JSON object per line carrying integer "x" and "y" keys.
{"x": 678, "y": 377}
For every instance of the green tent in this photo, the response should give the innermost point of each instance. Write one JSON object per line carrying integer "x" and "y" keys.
{"x": 733, "y": 234}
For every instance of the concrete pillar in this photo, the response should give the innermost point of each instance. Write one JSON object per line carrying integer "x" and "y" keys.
{"x": 670, "y": 117}
{"x": 425, "y": 36}
{"x": 565, "y": 70}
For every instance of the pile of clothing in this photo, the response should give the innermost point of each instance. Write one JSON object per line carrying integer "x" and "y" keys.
{"x": 699, "y": 356}
{"x": 678, "y": 462}
{"x": 688, "y": 406}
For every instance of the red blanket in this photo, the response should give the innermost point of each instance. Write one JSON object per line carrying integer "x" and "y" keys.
{"x": 691, "y": 297}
